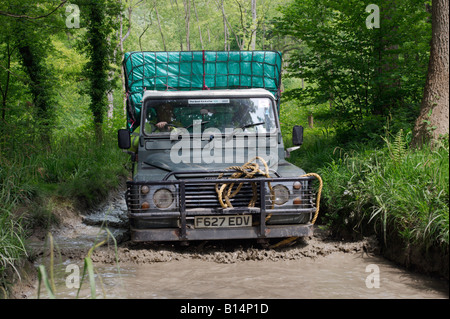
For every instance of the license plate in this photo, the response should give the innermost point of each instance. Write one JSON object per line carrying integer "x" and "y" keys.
{"x": 222, "y": 221}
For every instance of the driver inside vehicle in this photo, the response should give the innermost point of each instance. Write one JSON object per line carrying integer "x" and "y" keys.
{"x": 159, "y": 119}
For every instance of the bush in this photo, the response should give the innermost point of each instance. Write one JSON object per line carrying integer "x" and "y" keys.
{"x": 394, "y": 189}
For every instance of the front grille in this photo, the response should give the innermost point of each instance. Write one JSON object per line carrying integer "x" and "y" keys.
{"x": 204, "y": 195}
{"x": 200, "y": 193}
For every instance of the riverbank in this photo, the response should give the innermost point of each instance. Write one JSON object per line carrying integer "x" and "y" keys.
{"x": 432, "y": 261}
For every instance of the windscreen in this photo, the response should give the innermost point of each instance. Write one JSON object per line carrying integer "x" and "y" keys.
{"x": 222, "y": 114}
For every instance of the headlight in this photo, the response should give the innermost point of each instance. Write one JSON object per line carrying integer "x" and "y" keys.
{"x": 163, "y": 198}
{"x": 297, "y": 185}
{"x": 145, "y": 189}
{"x": 281, "y": 194}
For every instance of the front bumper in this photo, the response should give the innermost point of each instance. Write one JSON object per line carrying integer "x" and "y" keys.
{"x": 194, "y": 197}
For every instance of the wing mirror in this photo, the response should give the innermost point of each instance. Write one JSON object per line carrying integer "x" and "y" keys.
{"x": 124, "y": 139}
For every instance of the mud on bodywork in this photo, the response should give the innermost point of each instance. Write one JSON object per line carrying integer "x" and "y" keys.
{"x": 191, "y": 202}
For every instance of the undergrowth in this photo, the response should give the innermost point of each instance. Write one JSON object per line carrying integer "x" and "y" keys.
{"x": 73, "y": 168}
{"x": 384, "y": 190}
{"x": 373, "y": 181}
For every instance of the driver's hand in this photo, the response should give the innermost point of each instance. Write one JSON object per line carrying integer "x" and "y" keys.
{"x": 161, "y": 125}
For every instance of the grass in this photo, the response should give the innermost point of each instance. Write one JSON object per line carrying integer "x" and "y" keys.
{"x": 72, "y": 168}
{"x": 48, "y": 280}
{"x": 12, "y": 249}
{"x": 13, "y": 189}
{"x": 408, "y": 195}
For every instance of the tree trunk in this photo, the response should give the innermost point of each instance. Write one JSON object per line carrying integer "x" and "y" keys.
{"x": 254, "y": 25}
{"x": 225, "y": 29}
{"x": 122, "y": 39}
{"x": 160, "y": 29}
{"x": 198, "y": 23}
{"x": 434, "y": 116}
{"x": 311, "y": 120}
{"x": 180, "y": 33}
{"x": 4, "y": 90}
{"x": 39, "y": 84}
{"x": 110, "y": 96}
{"x": 187, "y": 17}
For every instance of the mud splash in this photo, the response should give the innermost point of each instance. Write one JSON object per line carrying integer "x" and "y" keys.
{"x": 228, "y": 252}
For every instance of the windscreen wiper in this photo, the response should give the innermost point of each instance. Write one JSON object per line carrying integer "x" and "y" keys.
{"x": 227, "y": 138}
{"x": 252, "y": 124}
{"x": 201, "y": 123}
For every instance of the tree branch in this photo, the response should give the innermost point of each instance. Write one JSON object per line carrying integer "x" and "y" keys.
{"x": 23, "y": 16}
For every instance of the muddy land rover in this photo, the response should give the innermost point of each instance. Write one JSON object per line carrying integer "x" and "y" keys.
{"x": 208, "y": 157}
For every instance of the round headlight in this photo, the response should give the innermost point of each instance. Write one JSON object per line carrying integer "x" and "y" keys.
{"x": 145, "y": 189}
{"x": 297, "y": 185}
{"x": 163, "y": 198}
{"x": 281, "y": 194}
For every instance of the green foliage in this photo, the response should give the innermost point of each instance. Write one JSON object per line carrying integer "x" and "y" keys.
{"x": 359, "y": 72}
{"x": 12, "y": 248}
{"x": 397, "y": 148}
{"x": 98, "y": 45}
{"x": 376, "y": 185}
{"x": 76, "y": 168}
{"x": 48, "y": 148}
{"x": 318, "y": 143}
{"x": 395, "y": 189}
{"x": 206, "y": 25}
{"x": 24, "y": 75}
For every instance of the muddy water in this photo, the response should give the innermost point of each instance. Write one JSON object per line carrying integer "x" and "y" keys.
{"x": 299, "y": 271}
{"x": 315, "y": 267}
{"x": 334, "y": 276}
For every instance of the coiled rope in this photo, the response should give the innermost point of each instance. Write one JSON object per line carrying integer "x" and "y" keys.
{"x": 249, "y": 170}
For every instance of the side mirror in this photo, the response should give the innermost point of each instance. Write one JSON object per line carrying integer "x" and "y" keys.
{"x": 124, "y": 139}
{"x": 297, "y": 135}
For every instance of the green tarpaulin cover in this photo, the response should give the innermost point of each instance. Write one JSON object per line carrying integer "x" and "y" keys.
{"x": 197, "y": 70}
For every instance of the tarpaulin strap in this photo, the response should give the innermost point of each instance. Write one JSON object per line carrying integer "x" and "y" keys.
{"x": 132, "y": 124}
{"x": 130, "y": 106}
{"x": 204, "y": 71}
{"x": 131, "y": 112}
{"x": 169, "y": 87}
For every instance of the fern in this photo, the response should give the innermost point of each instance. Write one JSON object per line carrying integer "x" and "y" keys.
{"x": 397, "y": 148}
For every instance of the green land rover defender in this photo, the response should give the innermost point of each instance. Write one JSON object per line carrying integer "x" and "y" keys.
{"x": 208, "y": 156}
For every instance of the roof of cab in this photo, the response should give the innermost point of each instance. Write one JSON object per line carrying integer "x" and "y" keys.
{"x": 207, "y": 93}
